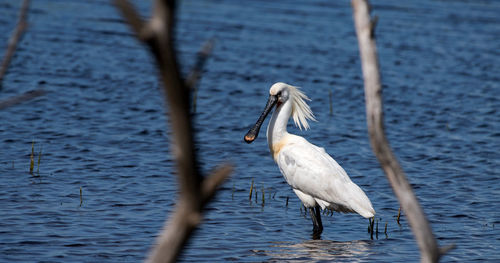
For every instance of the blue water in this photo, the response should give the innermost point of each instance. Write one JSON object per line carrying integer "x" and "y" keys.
{"x": 101, "y": 128}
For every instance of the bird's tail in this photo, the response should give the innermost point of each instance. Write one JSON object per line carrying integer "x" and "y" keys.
{"x": 360, "y": 202}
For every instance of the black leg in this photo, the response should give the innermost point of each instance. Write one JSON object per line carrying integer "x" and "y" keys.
{"x": 316, "y": 218}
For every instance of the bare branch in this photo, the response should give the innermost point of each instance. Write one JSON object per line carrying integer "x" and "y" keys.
{"x": 212, "y": 182}
{"x": 195, "y": 191}
{"x": 184, "y": 221}
{"x": 201, "y": 58}
{"x": 21, "y": 98}
{"x": 195, "y": 74}
{"x": 365, "y": 27}
{"x": 446, "y": 249}
{"x": 131, "y": 16}
{"x": 14, "y": 39}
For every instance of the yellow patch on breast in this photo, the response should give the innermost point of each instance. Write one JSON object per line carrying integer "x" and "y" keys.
{"x": 276, "y": 147}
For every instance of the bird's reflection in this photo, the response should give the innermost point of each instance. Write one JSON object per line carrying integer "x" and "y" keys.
{"x": 319, "y": 250}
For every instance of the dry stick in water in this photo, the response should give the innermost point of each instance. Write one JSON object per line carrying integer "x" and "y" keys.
{"x": 32, "y": 157}
{"x": 399, "y": 215}
{"x": 38, "y": 163}
{"x": 365, "y": 28}
{"x": 251, "y": 190}
{"x": 195, "y": 190}
{"x": 263, "y": 196}
{"x": 81, "y": 196}
{"x": 14, "y": 39}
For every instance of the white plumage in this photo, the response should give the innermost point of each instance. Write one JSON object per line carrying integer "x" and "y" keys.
{"x": 319, "y": 179}
{"x": 316, "y": 178}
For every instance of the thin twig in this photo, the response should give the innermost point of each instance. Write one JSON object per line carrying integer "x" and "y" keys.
{"x": 365, "y": 28}
{"x": 399, "y": 215}
{"x": 81, "y": 196}
{"x": 21, "y": 98}
{"x": 131, "y": 16}
{"x": 195, "y": 74}
{"x": 213, "y": 181}
{"x": 16, "y": 36}
{"x": 32, "y": 157}
{"x": 201, "y": 58}
{"x": 251, "y": 191}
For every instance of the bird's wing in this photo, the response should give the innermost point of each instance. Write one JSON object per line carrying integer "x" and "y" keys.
{"x": 311, "y": 170}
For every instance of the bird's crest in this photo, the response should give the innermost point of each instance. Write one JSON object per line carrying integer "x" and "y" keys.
{"x": 301, "y": 112}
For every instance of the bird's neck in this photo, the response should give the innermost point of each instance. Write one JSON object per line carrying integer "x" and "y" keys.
{"x": 277, "y": 125}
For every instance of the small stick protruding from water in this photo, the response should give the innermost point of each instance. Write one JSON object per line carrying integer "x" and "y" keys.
{"x": 251, "y": 190}
{"x": 372, "y": 223}
{"x": 39, "y": 159}
{"x": 399, "y": 215}
{"x": 385, "y": 229}
{"x": 32, "y": 156}
{"x": 330, "y": 93}
{"x": 286, "y": 205}
{"x": 81, "y": 197}
{"x": 263, "y": 196}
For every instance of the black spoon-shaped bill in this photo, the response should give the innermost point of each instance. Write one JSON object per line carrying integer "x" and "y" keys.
{"x": 254, "y": 131}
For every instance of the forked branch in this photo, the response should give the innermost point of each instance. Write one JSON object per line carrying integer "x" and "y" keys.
{"x": 195, "y": 190}
{"x": 421, "y": 228}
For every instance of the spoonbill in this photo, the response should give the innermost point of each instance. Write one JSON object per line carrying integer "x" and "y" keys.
{"x": 315, "y": 177}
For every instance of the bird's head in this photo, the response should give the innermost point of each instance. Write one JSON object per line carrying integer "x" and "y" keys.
{"x": 281, "y": 91}
{"x": 279, "y": 94}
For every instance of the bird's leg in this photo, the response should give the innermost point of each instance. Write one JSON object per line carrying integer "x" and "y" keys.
{"x": 317, "y": 225}
{"x": 318, "y": 217}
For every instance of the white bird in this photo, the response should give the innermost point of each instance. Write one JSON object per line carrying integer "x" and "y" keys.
{"x": 315, "y": 177}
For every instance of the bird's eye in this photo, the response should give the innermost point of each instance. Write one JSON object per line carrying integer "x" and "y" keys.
{"x": 279, "y": 94}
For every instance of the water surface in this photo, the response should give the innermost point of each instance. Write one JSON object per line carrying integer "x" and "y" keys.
{"x": 102, "y": 128}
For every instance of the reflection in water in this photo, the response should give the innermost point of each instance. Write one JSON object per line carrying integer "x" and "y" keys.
{"x": 318, "y": 250}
